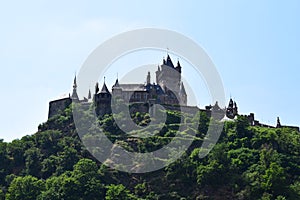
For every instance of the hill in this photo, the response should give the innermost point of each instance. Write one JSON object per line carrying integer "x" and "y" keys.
{"x": 247, "y": 163}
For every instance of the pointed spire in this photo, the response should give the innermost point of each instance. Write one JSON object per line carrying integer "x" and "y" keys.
{"x": 182, "y": 89}
{"x": 169, "y": 61}
{"x": 164, "y": 61}
{"x": 116, "y": 83}
{"x": 104, "y": 88}
{"x": 178, "y": 63}
{"x": 97, "y": 88}
{"x": 278, "y": 123}
{"x": 230, "y": 105}
{"x": 75, "y": 83}
{"x": 148, "y": 78}
{"x": 89, "y": 95}
{"x": 74, "y": 93}
{"x": 178, "y": 67}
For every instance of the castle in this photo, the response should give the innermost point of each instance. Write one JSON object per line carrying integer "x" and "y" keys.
{"x": 168, "y": 91}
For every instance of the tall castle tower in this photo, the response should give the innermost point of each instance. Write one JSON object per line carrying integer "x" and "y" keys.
{"x": 169, "y": 78}
{"x": 102, "y": 100}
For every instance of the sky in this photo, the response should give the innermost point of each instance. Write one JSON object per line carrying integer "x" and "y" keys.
{"x": 254, "y": 45}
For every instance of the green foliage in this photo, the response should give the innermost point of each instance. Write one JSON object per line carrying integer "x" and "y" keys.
{"x": 61, "y": 187}
{"x": 83, "y": 182}
{"x": 115, "y": 192}
{"x": 247, "y": 162}
{"x": 24, "y": 188}
{"x": 33, "y": 161}
{"x": 2, "y": 195}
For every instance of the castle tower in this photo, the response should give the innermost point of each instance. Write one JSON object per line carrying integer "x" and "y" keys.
{"x": 169, "y": 79}
{"x": 232, "y": 109}
{"x": 103, "y": 100}
{"x": 74, "y": 95}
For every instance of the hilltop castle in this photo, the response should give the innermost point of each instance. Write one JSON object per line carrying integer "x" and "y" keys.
{"x": 168, "y": 91}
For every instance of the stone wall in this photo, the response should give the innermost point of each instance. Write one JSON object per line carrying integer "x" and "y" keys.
{"x": 58, "y": 106}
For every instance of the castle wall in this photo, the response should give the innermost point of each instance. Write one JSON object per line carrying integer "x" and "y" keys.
{"x": 58, "y": 106}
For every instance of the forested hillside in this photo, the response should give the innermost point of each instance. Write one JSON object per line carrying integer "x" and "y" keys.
{"x": 247, "y": 163}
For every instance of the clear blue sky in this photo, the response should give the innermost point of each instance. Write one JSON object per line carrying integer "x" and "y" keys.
{"x": 255, "y": 46}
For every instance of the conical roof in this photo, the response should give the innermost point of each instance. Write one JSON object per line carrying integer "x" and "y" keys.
{"x": 182, "y": 89}
{"x": 169, "y": 62}
{"x": 104, "y": 89}
{"x": 117, "y": 83}
{"x": 89, "y": 94}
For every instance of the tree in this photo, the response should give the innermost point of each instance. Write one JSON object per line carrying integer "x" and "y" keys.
{"x": 203, "y": 122}
{"x": 49, "y": 166}
{"x": 242, "y": 123}
{"x": 274, "y": 178}
{"x": 33, "y": 158}
{"x": 4, "y": 164}
{"x": 116, "y": 192}
{"x": 47, "y": 141}
{"x": 61, "y": 187}
{"x": 85, "y": 172}
{"x": 15, "y": 150}
{"x": 67, "y": 159}
{"x": 24, "y": 188}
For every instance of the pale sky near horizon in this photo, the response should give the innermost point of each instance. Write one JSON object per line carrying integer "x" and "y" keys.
{"x": 254, "y": 45}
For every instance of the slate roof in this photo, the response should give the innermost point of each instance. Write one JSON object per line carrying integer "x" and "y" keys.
{"x": 169, "y": 62}
{"x": 104, "y": 89}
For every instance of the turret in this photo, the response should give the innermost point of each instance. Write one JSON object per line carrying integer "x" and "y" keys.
{"x": 74, "y": 95}
{"x": 103, "y": 101}
{"x": 232, "y": 109}
{"x": 178, "y": 67}
{"x": 148, "y": 78}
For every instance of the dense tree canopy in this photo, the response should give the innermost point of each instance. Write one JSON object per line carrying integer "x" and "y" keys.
{"x": 247, "y": 162}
